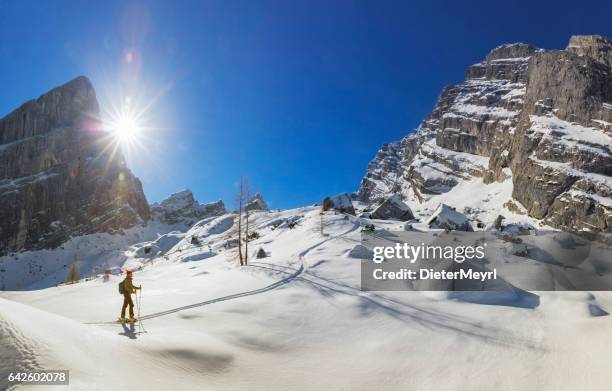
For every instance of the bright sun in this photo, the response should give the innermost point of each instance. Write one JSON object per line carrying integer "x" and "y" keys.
{"x": 126, "y": 129}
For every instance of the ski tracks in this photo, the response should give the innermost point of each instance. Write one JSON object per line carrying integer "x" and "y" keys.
{"x": 293, "y": 276}
{"x": 402, "y": 311}
{"x": 270, "y": 287}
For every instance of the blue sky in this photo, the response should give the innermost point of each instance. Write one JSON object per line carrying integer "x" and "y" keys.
{"x": 296, "y": 95}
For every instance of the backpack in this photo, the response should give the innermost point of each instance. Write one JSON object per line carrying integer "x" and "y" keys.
{"x": 122, "y": 288}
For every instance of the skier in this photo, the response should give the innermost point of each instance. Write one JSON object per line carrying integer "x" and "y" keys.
{"x": 126, "y": 287}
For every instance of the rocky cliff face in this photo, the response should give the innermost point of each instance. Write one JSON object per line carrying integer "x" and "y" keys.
{"x": 561, "y": 154}
{"x": 542, "y": 119}
{"x": 58, "y": 176}
{"x": 465, "y": 128}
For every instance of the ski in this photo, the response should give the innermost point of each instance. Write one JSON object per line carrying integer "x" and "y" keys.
{"x": 123, "y": 321}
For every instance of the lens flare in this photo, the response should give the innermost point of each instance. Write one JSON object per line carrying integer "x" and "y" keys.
{"x": 126, "y": 129}
{"x": 125, "y": 124}
{"x": 131, "y": 130}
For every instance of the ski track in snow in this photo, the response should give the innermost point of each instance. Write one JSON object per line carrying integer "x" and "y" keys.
{"x": 275, "y": 285}
{"x": 400, "y": 310}
{"x": 212, "y": 301}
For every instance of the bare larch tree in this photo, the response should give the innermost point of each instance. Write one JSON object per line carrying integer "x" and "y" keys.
{"x": 242, "y": 198}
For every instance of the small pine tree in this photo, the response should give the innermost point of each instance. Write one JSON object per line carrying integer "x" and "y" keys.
{"x": 73, "y": 273}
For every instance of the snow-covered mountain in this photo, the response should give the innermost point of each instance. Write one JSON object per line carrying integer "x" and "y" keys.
{"x": 98, "y": 252}
{"x": 529, "y": 128}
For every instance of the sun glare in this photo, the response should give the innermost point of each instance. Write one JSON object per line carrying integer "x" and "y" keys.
{"x": 127, "y": 126}
{"x": 126, "y": 129}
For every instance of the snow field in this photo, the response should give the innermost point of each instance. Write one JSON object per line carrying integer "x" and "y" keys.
{"x": 315, "y": 330}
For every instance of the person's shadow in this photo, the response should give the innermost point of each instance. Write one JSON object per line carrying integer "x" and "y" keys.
{"x": 129, "y": 332}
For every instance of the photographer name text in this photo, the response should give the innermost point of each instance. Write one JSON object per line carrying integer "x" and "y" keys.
{"x": 431, "y": 274}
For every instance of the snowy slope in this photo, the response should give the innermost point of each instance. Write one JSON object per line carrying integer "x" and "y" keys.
{"x": 94, "y": 253}
{"x": 35, "y": 339}
{"x": 297, "y": 320}
{"x": 479, "y": 201}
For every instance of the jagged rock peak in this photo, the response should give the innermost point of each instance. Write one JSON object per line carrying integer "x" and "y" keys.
{"x": 513, "y": 50}
{"x": 256, "y": 203}
{"x": 585, "y": 41}
{"x": 71, "y": 104}
{"x": 58, "y": 176}
{"x": 182, "y": 208}
{"x": 505, "y": 62}
{"x": 597, "y": 47}
{"x": 178, "y": 200}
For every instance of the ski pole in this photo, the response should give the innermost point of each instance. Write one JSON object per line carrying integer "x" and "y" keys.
{"x": 138, "y": 309}
{"x": 139, "y": 306}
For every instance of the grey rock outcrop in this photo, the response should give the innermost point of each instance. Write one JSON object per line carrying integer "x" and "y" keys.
{"x": 182, "y": 208}
{"x": 59, "y": 176}
{"x": 261, "y": 253}
{"x": 386, "y": 173}
{"x": 505, "y": 62}
{"x": 341, "y": 202}
{"x": 446, "y": 217}
{"x": 596, "y": 47}
{"x": 542, "y": 117}
{"x": 393, "y": 208}
{"x": 256, "y": 203}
